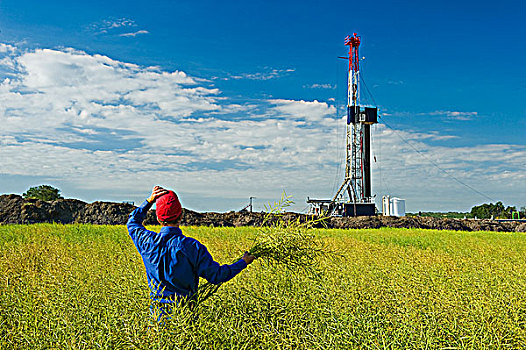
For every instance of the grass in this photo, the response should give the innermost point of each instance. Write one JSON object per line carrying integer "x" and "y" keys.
{"x": 84, "y": 287}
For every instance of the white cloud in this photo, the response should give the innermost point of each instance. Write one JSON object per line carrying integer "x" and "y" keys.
{"x": 58, "y": 90}
{"x": 111, "y": 24}
{"x": 454, "y": 115}
{"x": 5, "y": 48}
{"x": 308, "y": 110}
{"x": 448, "y": 115}
{"x": 115, "y": 128}
{"x": 116, "y": 26}
{"x": 134, "y": 34}
{"x": 319, "y": 86}
{"x": 117, "y": 23}
{"x": 266, "y": 75}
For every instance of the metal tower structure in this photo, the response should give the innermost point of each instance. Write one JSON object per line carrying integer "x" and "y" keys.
{"x": 354, "y": 197}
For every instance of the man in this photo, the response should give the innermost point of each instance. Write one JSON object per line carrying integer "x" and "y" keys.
{"x": 173, "y": 261}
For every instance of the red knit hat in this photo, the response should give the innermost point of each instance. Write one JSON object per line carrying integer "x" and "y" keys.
{"x": 168, "y": 207}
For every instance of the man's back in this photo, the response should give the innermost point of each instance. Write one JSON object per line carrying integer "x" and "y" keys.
{"x": 169, "y": 258}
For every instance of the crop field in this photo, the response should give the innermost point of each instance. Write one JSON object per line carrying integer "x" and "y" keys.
{"x": 84, "y": 287}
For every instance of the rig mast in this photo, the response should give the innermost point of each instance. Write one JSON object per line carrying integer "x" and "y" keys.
{"x": 354, "y": 197}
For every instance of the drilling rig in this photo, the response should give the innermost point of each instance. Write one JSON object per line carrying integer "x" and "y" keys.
{"x": 354, "y": 197}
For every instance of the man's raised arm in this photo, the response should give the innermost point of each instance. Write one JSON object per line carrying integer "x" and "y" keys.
{"x": 134, "y": 224}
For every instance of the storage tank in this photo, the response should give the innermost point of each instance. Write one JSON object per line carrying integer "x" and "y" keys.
{"x": 397, "y": 207}
{"x": 386, "y": 206}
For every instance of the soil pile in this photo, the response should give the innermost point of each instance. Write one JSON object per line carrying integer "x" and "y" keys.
{"x": 16, "y": 210}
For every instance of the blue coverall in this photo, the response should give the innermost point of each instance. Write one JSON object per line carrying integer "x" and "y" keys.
{"x": 175, "y": 262}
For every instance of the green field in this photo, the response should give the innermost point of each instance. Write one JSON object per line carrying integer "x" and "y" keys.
{"x": 84, "y": 287}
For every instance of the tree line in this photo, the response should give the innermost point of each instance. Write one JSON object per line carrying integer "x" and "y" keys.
{"x": 497, "y": 210}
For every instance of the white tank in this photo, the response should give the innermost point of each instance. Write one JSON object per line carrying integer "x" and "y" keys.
{"x": 392, "y": 206}
{"x": 397, "y": 207}
{"x": 386, "y": 204}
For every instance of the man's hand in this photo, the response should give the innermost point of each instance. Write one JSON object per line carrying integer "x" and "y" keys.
{"x": 248, "y": 258}
{"x": 157, "y": 192}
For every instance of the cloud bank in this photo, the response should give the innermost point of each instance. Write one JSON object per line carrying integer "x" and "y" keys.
{"x": 103, "y": 124}
{"x": 111, "y": 130}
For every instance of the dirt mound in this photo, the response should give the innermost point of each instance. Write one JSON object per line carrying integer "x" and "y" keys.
{"x": 427, "y": 223}
{"x": 11, "y": 209}
{"x": 16, "y": 210}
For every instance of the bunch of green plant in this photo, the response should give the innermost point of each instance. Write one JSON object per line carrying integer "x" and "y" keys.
{"x": 278, "y": 241}
{"x": 288, "y": 242}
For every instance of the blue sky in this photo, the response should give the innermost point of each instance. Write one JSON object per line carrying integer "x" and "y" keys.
{"x": 226, "y": 100}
